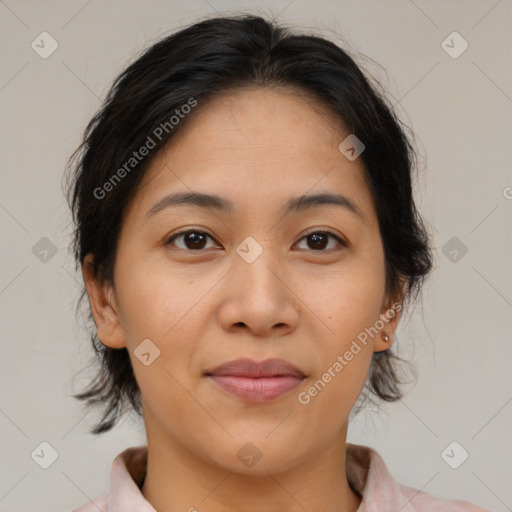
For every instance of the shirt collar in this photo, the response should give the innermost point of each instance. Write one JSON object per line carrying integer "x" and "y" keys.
{"x": 367, "y": 475}
{"x": 127, "y": 472}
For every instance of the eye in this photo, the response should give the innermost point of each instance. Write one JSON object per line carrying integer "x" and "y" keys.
{"x": 196, "y": 240}
{"x": 318, "y": 240}
{"x": 193, "y": 239}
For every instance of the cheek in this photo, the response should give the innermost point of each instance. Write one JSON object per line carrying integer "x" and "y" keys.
{"x": 327, "y": 401}
{"x": 349, "y": 301}
{"x": 350, "y": 305}
{"x": 159, "y": 310}
{"x": 167, "y": 308}
{"x": 155, "y": 302}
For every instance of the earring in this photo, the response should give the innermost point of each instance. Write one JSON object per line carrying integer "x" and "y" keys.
{"x": 385, "y": 337}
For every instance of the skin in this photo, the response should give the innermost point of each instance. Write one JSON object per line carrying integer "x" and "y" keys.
{"x": 203, "y": 307}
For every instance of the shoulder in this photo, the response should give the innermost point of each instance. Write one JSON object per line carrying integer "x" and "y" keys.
{"x": 368, "y": 475}
{"x": 419, "y": 501}
{"x": 98, "y": 504}
{"x": 123, "y": 494}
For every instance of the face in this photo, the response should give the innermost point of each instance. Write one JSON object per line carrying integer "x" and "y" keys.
{"x": 265, "y": 278}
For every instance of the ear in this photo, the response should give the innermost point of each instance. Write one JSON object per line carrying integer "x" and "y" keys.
{"x": 390, "y": 316}
{"x": 103, "y": 306}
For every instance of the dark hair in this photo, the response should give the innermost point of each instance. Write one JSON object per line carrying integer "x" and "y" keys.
{"x": 198, "y": 63}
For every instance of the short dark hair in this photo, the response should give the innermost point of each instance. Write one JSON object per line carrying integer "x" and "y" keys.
{"x": 202, "y": 61}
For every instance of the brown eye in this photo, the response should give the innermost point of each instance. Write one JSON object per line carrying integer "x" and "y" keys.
{"x": 319, "y": 240}
{"x": 191, "y": 240}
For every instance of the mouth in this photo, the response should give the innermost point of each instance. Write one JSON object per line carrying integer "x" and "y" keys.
{"x": 257, "y": 382}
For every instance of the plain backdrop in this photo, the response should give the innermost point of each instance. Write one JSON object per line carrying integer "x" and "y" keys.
{"x": 459, "y": 106}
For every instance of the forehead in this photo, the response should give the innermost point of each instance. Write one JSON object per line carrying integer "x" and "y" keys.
{"x": 252, "y": 118}
{"x": 252, "y": 144}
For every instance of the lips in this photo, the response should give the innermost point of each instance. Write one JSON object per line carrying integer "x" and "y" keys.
{"x": 253, "y": 369}
{"x": 257, "y": 382}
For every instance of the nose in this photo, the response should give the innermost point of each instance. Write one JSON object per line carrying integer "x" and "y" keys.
{"x": 259, "y": 297}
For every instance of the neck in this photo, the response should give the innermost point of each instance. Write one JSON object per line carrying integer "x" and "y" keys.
{"x": 178, "y": 480}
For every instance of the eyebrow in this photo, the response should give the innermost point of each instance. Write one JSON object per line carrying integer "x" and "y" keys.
{"x": 293, "y": 205}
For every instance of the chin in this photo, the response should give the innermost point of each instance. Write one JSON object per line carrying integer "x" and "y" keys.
{"x": 258, "y": 458}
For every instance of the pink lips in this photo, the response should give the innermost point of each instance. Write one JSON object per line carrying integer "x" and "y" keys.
{"x": 257, "y": 382}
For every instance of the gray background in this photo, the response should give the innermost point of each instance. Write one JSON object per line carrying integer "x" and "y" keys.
{"x": 459, "y": 339}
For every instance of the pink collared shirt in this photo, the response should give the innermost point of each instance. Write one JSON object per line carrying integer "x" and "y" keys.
{"x": 366, "y": 473}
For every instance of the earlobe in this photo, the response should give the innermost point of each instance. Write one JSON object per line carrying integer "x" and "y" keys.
{"x": 390, "y": 317}
{"x": 383, "y": 342}
{"x": 103, "y": 306}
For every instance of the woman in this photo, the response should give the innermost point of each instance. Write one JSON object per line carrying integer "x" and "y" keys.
{"x": 248, "y": 239}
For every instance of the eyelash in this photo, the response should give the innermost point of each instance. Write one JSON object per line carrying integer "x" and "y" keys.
{"x": 315, "y": 231}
